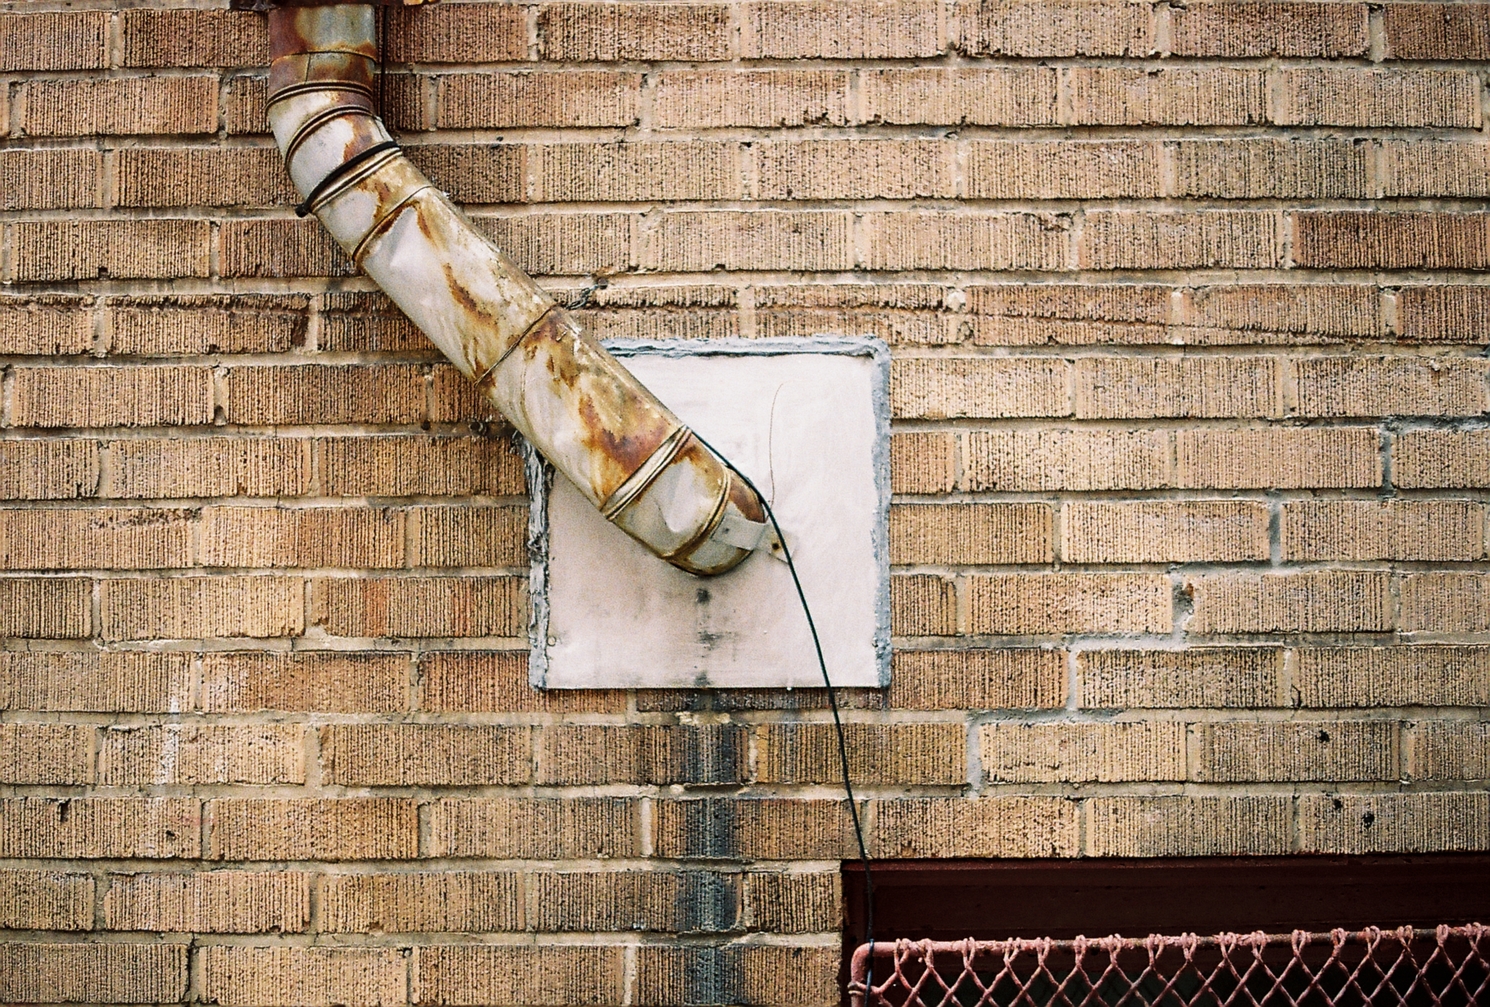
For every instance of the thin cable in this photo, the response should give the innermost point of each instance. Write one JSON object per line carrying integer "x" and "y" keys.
{"x": 848, "y": 786}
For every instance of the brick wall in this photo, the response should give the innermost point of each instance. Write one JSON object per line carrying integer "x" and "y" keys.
{"x": 1190, "y": 457}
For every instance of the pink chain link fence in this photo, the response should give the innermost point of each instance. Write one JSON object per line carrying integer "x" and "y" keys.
{"x": 1446, "y": 966}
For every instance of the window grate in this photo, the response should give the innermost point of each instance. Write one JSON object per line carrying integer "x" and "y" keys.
{"x": 1446, "y": 966}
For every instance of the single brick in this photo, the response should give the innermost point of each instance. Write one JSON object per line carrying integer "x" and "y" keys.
{"x": 93, "y": 973}
{"x": 1437, "y": 31}
{"x": 1423, "y": 675}
{"x": 922, "y": 462}
{"x": 50, "y": 179}
{"x": 1073, "y": 460}
{"x": 497, "y": 682}
{"x": 699, "y": 99}
{"x": 684, "y": 311}
{"x": 923, "y": 605}
{"x": 216, "y": 902}
{"x": 752, "y": 829}
{"x": 625, "y": 172}
{"x": 57, "y": 608}
{"x": 65, "y": 41}
{"x": 1394, "y": 823}
{"x": 750, "y": 700}
{"x": 471, "y": 536}
{"x": 839, "y": 29}
{"x": 459, "y": 33}
{"x": 625, "y": 32}
{"x": 1278, "y": 458}
{"x": 1420, "y": 530}
{"x": 196, "y": 607}
{"x": 1187, "y": 826}
{"x": 207, "y": 323}
{"x": 50, "y": 397}
{"x": 309, "y": 537}
{"x": 1010, "y": 314}
{"x": 1164, "y": 531}
{"x": 1240, "y": 752}
{"x": 1366, "y": 239}
{"x": 48, "y": 325}
{"x": 1204, "y": 239}
{"x": 421, "y": 606}
{"x": 970, "y": 533}
{"x": 656, "y": 754}
{"x": 366, "y": 322}
{"x": 991, "y": 387}
{"x": 1147, "y": 387}
{"x": 1078, "y": 753}
{"x": 96, "y": 682}
{"x": 122, "y": 106}
{"x": 94, "y": 539}
{"x": 1442, "y": 313}
{"x": 1023, "y": 678}
{"x": 1271, "y": 169}
{"x": 1330, "y": 96}
{"x": 55, "y": 754}
{"x": 471, "y": 173}
{"x": 502, "y": 828}
{"x": 1287, "y": 314}
{"x": 791, "y": 903}
{"x": 954, "y": 96}
{"x": 197, "y": 754}
{"x": 932, "y": 239}
{"x": 621, "y": 901}
{"x": 1062, "y": 169}
{"x": 1011, "y": 28}
{"x": 1441, "y": 458}
{"x": 1391, "y": 386}
{"x": 1002, "y": 827}
{"x": 45, "y": 900}
{"x": 1425, "y": 168}
{"x": 1196, "y": 677}
{"x": 1124, "y": 96}
{"x": 193, "y": 38}
{"x": 420, "y": 466}
{"x": 275, "y": 248}
{"x": 553, "y": 244}
{"x": 437, "y": 902}
{"x": 1040, "y": 604}
{"x": 878, "y": 753}
{"x": 357, "y": 828}
{"x": 1450, "y": 751}
{"x": 1321, "y": 30}
{"x": 424, "y": 755}
{"x": 1325, "y": 601}
{"x": 735, "y": 974}
{"x": 48, "y": 469}
{"x": 209, "y": 467}
{"x": 522, "y": 98}
{"x": 508, "y": 975}
{"x": 1445, "y": 603}
{"x": 304, "y": 681}
{"x": 57, "y": 250}
{"x": 703, "y": 240}
{"x": 216, "y": 176}
{"x": 314, "y": 977}
{"x": 854, "y": 169}
{"x": 85, "y": 828}
{"x": 902, "y": 314}
{"x": 245, "y": 101}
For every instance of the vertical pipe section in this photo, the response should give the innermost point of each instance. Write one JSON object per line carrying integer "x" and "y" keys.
{"x": 623, "y": 449}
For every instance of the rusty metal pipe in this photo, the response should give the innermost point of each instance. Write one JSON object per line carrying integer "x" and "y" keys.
{"x": 624, "y": 450}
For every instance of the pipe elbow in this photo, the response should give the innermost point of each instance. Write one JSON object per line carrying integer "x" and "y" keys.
{"x": 575, "y": 403}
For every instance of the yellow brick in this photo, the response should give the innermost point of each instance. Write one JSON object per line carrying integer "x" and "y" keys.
{"x": 438, "y": 902}
{"x": 45, "y": 900}
{"x": 477, "y": 33}
{"x": 361, "y": 393}
{"x": 1271, "y": 169}
{"x": 1411, "y": 386}
{"x": 1326, "y": 601}
{"x": 219, "y": 902}
{"x": 93, "y": 973}
{"x": 923, "y": 605}
{"x": 305, "y": 681}
{"x": 935, "y": 239}
{"x": 571, "y": 974}
{"x": 502, "y": 828}
{"x": 497, "y": 682}
{"x": 471, "y": 536}
{"x": 314, "y": 977}
{"x": 699, "y": 99}
{"x": 970, "y": 533}
{"x": 1445, "y": 603}
{"x": 193, "y": 755}
{"x": 66, "y": 41}
{"x": 617, "y": 32}
{"x": 1039, "y": 604}
{"x": 752, "y": 829}
{"x": 420, "y": 466}
{"x": 840, "y": 29}
{"x": 191, "y": 324}
{"x": 1434, "y": 31}
{"x": 1074, "y": 460}
{"x": 1009, "y": 314}
{"x": 552, "y": 244}
{"x": 1296, "y": 751}
{"x": 1394, "y": 823}
{"x": 996, "y": 27}
{"x": 1447, "y": 458}
{"x": 1393, "y": 676}
{"x": 1320, "y": 96}
{"x": 899, "y": 313}
{"x": 620, "y": 901}
{"x": 995, "y": 96}
{"x": 55, "y": 754}
{"x": 48, "y": 325}
{"x": 1075, "y": 753}
{"x": 1269, "y": 313}
{"x": 1425, "y": 530}
{"x": 1205, "y": 239}
{"x": 122, "y": 106}
{"x": 309, "y": 537}
{"x": 1435, "y": 169}
{"x": 1187, "y": 826}
{"x": 1123, "y": 96}
{"x": 941, "y": 388}
{"x": 193, "y": 38}
{"x": 1328, "y": 30}
{"x": 80, "y": 828}
{"x": 233, "y": 176}
{"x": 1278, "y": 458}
{"x": 1450, "y": 751}
{"x": 1356, "y": 239}
{"x": 52, "y": 608}
{"x": 100, "y": 682}
{"x": 623, "y": 172}
{"x": 1012, "y": 679}
{"x": 878, "y": 753}
{"x": 703, "y": 240}
{"x": 208, "y": 467}
{"x": 96, "y": 538}
{"x": 244, "y": 105}
{"x": 110, "y": 396}
{"x": 1000, "y": 169}
{"x": 1003, "y": 827}
{"x": 49, "y": 179}
{"x": 1123, "y": 387}
{"x": 367, "y": 322}
{"x": 922, "y": 462}
{"x": 737, "y": 974}
{"x": 507, "y": 98}
{"x": 197, "y": 607}
{"x": 1164, "y": 531}
{"x": 781, "y": 903}
{"x": 1445, "y": 313}
{"x": 657, "y": 754}
{"x": 1196, "y": 677}
{"x": 854, "y": 169}
{"x": 367, "y": 828}
{"x": 60, "y": 250}
{"x": 421, "y": 606}
{"x": 424, "y": 755}
{"x": 275, "y": 248}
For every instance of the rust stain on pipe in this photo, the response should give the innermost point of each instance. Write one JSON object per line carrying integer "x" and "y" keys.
{"x": 595, "y": 422}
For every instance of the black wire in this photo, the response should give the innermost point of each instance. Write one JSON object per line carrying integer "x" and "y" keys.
{"x": 848, "y": 786}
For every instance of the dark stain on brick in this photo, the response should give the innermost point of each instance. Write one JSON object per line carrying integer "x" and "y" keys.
{"x": 709, "y": 829}
{"x": 713, "y": 976}
{"x": 707, "y": 902}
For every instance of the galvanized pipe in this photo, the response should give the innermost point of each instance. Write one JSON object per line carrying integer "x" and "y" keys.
{"x": 620, "y": 446}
